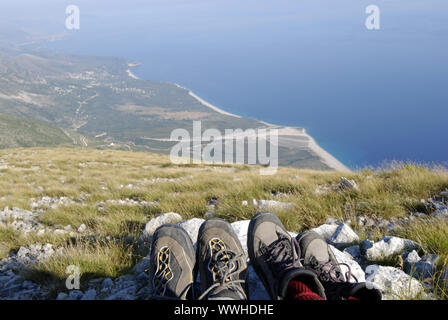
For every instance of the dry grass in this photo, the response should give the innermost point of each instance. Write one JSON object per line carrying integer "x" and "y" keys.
{"x": 34, "y": 173}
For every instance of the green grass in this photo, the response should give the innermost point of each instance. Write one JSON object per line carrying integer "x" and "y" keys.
{"x": 68, "y": 172}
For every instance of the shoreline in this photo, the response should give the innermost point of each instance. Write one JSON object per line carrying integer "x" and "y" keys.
{"x": 207, "y": 104}
{"x": 285, "y": 131}
{"x": 129, "y": 72}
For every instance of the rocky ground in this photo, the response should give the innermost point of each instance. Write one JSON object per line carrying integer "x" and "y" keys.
{"x": 412, "y": 278}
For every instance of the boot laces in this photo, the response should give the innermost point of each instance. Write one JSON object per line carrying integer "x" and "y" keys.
{"x": 223, "y": 264}
{"x": 282, "y": 254}
{"x": 330, "y": 271}
{"x": 163, "y": 273}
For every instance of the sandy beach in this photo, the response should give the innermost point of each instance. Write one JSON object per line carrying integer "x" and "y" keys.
{"x": 289, "y": 137}
{"x": 133, "y": 76}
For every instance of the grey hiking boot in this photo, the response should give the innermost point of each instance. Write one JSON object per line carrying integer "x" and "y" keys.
{"x": 275, "y": 256}
{"x": 317, "y": 256}
{"x": 172, "y": 263}
{"x": 221, "y": 262}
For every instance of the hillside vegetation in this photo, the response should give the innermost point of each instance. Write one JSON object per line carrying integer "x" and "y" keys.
{"x": 95, "y": 97}
{"x": 91, "y": 178}
{"x": 17, "y": 132}
{"x": 20, "y": 132}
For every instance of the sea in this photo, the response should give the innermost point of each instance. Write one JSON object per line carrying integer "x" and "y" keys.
{"x": 366, "y": 95}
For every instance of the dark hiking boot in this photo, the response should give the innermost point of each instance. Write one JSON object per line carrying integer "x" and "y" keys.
{"x": 275, "y": 256}
{"x": 352, "y": 291}
{"x": 221, "y": 262}
{"x": 172, "y": 262}
{"x": 317, "y": 256}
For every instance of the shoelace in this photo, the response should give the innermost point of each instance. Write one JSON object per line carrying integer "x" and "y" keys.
{"x": 226, "y": 268}
{"x": 282, "y": 254}
{"x": 326, "y": 269}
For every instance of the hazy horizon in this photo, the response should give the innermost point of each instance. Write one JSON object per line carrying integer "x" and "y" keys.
{"x": 365, "y": 96}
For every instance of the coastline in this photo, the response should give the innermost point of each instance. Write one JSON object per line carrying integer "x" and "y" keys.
{"x": 283, "y": 131}
{"x": 129, "y": 72}
{"x": 207, "y": 104}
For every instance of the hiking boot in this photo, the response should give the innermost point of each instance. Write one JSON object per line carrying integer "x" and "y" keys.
{"x": 317, "y": 256}
{"x": 172, "y": 262}
{"x": 221, "y": 262}
{"x": 352, "y": 291}
{"x": 275, "y": 256}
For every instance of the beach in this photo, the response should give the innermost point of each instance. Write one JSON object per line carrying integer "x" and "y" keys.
{"x": 287, "y": 136}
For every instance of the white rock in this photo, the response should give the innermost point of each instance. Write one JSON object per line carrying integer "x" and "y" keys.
{"x": 107, "y": 283}
{"x": 332, "y": 221}
{"x": 274, "y": 204}
{"x": 326, "y": 230}
{"x": 154, "y": 223}
{"x": 89, "y": 295}
{"x": 344, "y": 235}
{"x": 348, "y": 184}
{"x": 444, "y": 194}
{"x": 389, "y": 246}
{"x": 241, "y": 228}
{"x": 244, "y": 203}
{"x": 355, "y": 268}
{"x": 354, "y": 251}
{"x": 412, "y": 257}
{"x": 82, "y": 228}
{"x": 192, "y": 227}
{"x": 75, "y": 295}
{"x": 423, "y": 268}
{"x": 441, "y": 213}
{"x": 62, "y": 296}
{"x": 23, "y": 252}
{"x": 394, "y": 283}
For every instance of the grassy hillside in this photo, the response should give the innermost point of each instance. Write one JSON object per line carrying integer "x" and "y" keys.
{"x": 20, "y": 132}
{"x": 92, "y": 177}
{"x": 96, "y": 97}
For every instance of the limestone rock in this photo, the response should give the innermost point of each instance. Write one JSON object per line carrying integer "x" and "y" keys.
{"x": 273, "y": 204}
{"x": 354, "y": 252}
{"x": 160, "y": 220}
{"x": 355, "y": 268}
{"x": 343, "y": 235}
{"x": 241, "y": 228}
{"x": 420, "y": 268}
{"x": 389, "y": 246}
{"x": 192, "y": 227}
{"x": 326, "y": 230}
{"x": 82, "y": 228}
{"x": 394, "y": 283}
{"x": 348, "y": 184}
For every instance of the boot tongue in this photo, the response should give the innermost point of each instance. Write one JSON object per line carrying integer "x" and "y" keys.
{"x": 225, "y": 293}
{"x": 307, "y": 277}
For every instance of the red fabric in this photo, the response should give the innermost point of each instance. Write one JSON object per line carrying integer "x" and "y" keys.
{"x": 353, "y": 299}
{"x": 300, "y": 291}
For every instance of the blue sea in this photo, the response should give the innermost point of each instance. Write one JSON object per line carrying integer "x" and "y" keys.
{"x": 365, "y": 95}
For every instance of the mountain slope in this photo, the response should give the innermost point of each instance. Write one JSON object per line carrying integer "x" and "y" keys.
{"x": 99, "y": 97}
{"x": 21, "y": 132}
{"x": 18, "y": 132}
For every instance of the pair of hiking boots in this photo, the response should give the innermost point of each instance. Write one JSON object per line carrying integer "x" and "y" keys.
{"x": 279, "y": 260}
